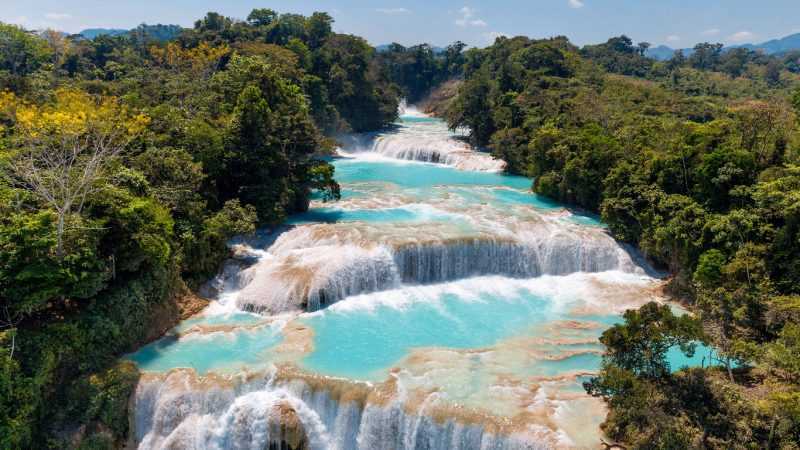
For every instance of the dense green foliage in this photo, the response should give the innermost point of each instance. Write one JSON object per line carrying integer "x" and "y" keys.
{"x": 126, "y": 164}
{"x": 419, "y": 69}
{"x": 695, "y": 161}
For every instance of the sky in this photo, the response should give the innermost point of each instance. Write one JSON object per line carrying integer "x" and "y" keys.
{"x": 676, "y": 23}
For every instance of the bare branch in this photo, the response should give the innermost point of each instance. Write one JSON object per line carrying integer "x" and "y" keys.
{"x": 62, "y": 169}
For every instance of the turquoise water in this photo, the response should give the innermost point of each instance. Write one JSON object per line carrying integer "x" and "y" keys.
{"x": 363, "y": 343}
{"x": 418, "y": 119}
{"x": 415, "y": 175}
{"x": 426, "y": 182}
{"x": 220, "y": 351}
{"x": 389, "y": 215}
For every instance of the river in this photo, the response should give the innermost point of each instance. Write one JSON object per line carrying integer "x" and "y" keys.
{"x": 438, "y": 305}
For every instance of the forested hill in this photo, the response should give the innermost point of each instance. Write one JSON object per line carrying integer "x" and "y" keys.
{"x": 126, "y": 163}
{"x": 695, "y": 161}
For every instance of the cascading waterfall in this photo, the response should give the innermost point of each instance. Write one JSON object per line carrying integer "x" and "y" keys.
{"x": 292, "y": 282}
{"x": 313, "y": 266}
{"x": 437, "y": 306}
{"x": 449, "y": 261}
{"x": 421, "y": 139}
{"x": 176, "y": 412}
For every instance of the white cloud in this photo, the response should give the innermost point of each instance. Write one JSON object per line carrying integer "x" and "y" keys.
{"x": 673, "y": 38}
{"x": 711, "y": 32}
{"x": 575, "y": 4}
{"x": 58, "y": 16}
{"x": 393, "y": 11}
{"x": 466, "y": 17}
{"x": 742, "y": 36}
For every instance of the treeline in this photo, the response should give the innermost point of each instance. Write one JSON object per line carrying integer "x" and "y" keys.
{"x": 125, "y": 165}
{"x": 620, "y": 55}
{"x": 418, "y": 69}
{"x": 695, "y": 161}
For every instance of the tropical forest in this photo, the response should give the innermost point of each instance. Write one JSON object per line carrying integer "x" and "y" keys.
{"x": 261, "y": 233}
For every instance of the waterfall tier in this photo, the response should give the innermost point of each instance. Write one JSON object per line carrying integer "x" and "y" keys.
{"x": 418, "y": 139}
{"x": 181, "y": 411}
{"x": 312, "y": 266}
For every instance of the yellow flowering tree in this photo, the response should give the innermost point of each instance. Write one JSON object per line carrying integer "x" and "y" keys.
{"x": 60, "y": 150}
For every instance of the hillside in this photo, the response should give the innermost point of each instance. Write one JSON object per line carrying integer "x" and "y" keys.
{"x": 771, "y": 47}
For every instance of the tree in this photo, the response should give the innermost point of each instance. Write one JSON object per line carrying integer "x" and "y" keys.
{"x": 213, "y": 22}
{"x": 469, "y": 110}
{"x": 21, "y": 53}
{"x": 677, "y": 60}
{"x": 640, "y": 344}
{"x": 286, "y": 27}
{"x": 63, "y": 149}
{"x": 733, "y": 61}
{"x": 763, "y": 128}
{"x": 318, "y": 27}
{"x": 733, "y": 309}
{"x": 261, "y": 17}
{"x": 783, "y": 355}
{"x": 269, "y": 140}
{"x": 772, "y": 73}
{"x": 454, "y": 58}
{"x": 359, "y": 92}
{"x": 642, "y": 48}
{"x": 705, "y": 56}
{"x": 59, "y": 46}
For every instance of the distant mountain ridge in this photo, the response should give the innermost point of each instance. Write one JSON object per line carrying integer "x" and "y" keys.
{"x": 771, "y": 47}
{"x": 782, "y": 45}
{"x": 158, "y": 32}
{"x": 91, "y": 33}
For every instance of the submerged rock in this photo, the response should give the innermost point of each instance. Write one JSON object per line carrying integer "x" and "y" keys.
{"x": 288, "y": 432}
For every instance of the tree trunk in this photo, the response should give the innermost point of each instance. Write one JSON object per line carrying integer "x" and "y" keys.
{"x": 730, "y": 370}
{"x": 60, "y": 236}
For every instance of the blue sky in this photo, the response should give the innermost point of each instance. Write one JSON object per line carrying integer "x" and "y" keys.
{"x": 677, "y": 23}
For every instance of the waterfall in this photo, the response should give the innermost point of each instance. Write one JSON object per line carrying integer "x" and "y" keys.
{"x": 453, "y": 260}
{"x": 314, "y": 266}
{"x": 314, "y": 278}
{"x": 424, "y": 141}
{"x": 181, "y": 411}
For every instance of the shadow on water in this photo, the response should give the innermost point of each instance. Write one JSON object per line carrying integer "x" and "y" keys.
{"x": 263, "y": 238}
{"x": 317, "y": 215}
{"x": 153, "y": 351}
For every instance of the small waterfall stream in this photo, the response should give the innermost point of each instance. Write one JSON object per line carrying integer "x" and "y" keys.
{"x": 438, "y": 305}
